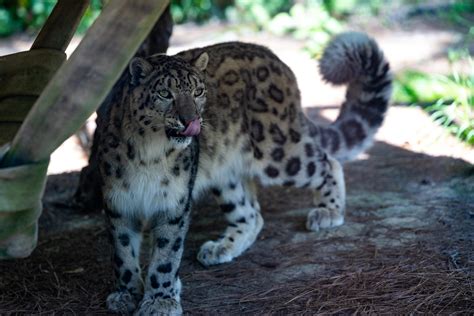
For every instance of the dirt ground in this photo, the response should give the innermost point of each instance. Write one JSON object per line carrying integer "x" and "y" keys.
{"x": 407, "y": 245}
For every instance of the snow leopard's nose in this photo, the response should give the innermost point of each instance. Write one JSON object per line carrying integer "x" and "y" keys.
{"x": 185, "y": 120}
{"x": 186, "y": 109}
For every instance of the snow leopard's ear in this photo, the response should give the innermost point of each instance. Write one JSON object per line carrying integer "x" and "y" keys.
{"x": 139, "y": 69}
{"x": 201, "y": 61}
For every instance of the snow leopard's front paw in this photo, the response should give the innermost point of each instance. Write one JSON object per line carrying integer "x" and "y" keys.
{"x": 151, "y": 306}
{"x": 323, "y": 217}
{"x": 215, "y": 252}
{"x": 233, "y": 242}
{"x": 122, "y": 302}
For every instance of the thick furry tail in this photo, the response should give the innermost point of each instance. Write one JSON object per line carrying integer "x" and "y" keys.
{"x": 355, "y": 59}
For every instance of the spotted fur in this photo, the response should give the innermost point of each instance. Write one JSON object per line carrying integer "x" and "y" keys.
{"x": 213, "y": 119}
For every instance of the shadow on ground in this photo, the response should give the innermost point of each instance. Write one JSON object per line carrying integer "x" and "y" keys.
{"x": 406, "y": 247}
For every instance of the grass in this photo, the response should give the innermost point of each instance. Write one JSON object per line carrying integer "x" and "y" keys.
{"x": 448, "y": 98}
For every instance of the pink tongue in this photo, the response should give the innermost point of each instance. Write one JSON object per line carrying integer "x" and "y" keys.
{"x": 193, "y": 128}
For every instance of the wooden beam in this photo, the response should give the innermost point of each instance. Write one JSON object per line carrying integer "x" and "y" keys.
{"x": 61, "y": 25}
{"x": 83, "y": 82}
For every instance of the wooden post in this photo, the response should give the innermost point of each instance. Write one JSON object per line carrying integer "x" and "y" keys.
{"x": 75, "y": 91}
{"x": 83, "y": 82}
{"x": 24, "y": 75}
{"x": 61, "y": 25}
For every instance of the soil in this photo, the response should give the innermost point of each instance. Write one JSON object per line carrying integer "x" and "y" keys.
{"x": 406, "y": 246}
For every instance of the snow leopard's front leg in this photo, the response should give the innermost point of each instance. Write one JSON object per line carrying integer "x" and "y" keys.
{"x": 238, "y": 202}
{"x": 125, "y": 231}
{"x": 162, "y": 285}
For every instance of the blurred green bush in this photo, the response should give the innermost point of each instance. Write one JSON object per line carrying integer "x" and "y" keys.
{"x": 448, "y": 98}
{"x": 196, "y": 10}
{"x": 29, "y": 15}
{"x": 305, "y": 19}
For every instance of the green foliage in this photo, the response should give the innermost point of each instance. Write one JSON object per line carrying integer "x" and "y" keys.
{"x": 344, "y": 8}
{"x": 193, "y": 10}
{"x": 8, "y": 24}
{"x": 307, "y": 20}
{"x": 257, "y": 12}
{"x": 414, "y": 86}
{"x": 30, "y": 15}
{"x": 340, "y": 7}
{"x": 449, "y": 99}
{"x": 90, "y": 15}
{"x": 310, "y": 22}
{"x": 462, "y": 6}
{"x": 460, "y": 14}
{"x": 22, "y": 14}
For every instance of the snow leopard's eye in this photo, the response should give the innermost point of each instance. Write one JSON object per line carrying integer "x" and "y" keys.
{"x": 198, "y": 92}
{"x": 165, "y": 94}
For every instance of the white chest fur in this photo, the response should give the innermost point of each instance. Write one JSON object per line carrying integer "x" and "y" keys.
{"x": 151, "y": 189}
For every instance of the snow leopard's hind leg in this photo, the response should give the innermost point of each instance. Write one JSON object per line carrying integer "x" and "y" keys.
{"x": 329, "y": 198}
